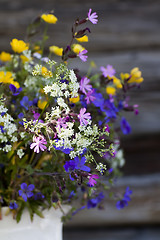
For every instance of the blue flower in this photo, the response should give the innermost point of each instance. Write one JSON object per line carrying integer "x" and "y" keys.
{"x": 38, "y": 196}
{"x": 13, "y": 205}
{"x": 25, "y": 102}
{"x": 26, "y": 191}
{"x": 79, "y": 209}
{"x": 69, "y": 166}
{"x": 93, "y": 202}
{"x": 125, "y": 127}
{"x": 124, "y": 202}
{"x": 15, "y": 91}
{"x": 79, "y": 164}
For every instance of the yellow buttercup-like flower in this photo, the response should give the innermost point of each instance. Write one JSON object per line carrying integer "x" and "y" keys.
{"x": 56, "y": 50}
{"x": 82, "y": 39}
{"x": 110, "y": 90}
{"x": 117, "y": 82}
{"x": 5, "y": 57}
{"x": 74, "y": 100}
{"x": 136, "y": 76}
{"x": 77, "y": 48}
{"x": 45, "y": 72}
{"x": 49, "y": 18}
{"x": 42, "y": 103}
{"x": 8, "y": 78}
{"x": 18, "y": 45}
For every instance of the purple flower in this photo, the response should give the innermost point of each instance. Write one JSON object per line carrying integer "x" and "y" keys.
{"x": 89, "y": 97}
{"x": 79, "y": 164}
{"x": 15, "y": 91}
{"x": 79, "y": 209}
{"x": 124, "y": 202}
{"x": 61, "y": 123}
{"x": 13, "y": 205}
{"x": 26, "y": 191}
{"x": 82, "y": 56}
{"x": 38, "y": 196}
{"x": 109, "y": 71}
{"x": 25, "y": 102}
{"x": 38, "y": 144}
{"x": 83, "y": 116}
{"x": 70, "y": 166}
{"x": 125, "y": 127}
{"x": 84, "y": 85}
{"x": 92, "y": 180}
{"x": 92, "y": 203}
{"x": 92, "y": 17}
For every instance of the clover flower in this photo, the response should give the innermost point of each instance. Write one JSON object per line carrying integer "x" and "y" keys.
{"x": 83, "y": 117}
{"x": 26, "y": 191}
{"x": 38, "y": 144}
{"x": 92, "y": 17}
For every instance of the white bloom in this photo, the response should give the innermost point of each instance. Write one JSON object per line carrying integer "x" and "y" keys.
{"x": 20, "y": 153}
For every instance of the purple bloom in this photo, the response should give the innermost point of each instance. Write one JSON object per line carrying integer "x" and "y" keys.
{"x": 15, "y": 91}
{"x": 79, "y": 164}
{"x": 38, "y": 144}
{"x": 125, "y": 127}
{"x": 124, "y": 202}
{"x": 70, "y": 166}
{"x": 61, "y": 123}
{"x": 92, "y": 17}
{"x": 83, "y": 116}
{"x": 25, "y": 102}
{"x": 82, "y": 56}
{"x": 38, "y": 196}
{"x": 26, "y": 191}
{"x": 79, "y": 209}
{"x": 89, "y": 97}
{"x": 84, "y": 85}
{"x": 109, "y": 71}
{"x": 92, "y": 180}
{"x": 92, "y": 203}
{"x": 13, "y": 205}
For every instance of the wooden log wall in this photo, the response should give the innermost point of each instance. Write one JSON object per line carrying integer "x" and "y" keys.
{"x": 126, "y": 36}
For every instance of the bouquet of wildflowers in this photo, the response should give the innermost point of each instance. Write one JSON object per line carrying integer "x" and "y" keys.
{"x": 59, "y": 129}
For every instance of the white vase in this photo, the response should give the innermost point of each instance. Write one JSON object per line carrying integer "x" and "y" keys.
{"x": 47, "y": 228}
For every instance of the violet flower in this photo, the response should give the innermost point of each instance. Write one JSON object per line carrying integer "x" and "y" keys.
{"x": 80, "y": 164}
{"x": 13, "y": 205}
{"x": 89, "y": 97}
{"x": 125, "y": 127}
{"x": 82, "y": 56}
{"x": 109, "y": 71}
{"x": 92, "y": 180}
{"x": 61, "y": 123}
{"x": 26, "y": 191}
{"x": 92, "y": 17}
{"x": 84, "y": 85}
{"x": 38, "y": 144}
{"x": 15, "y": 91}
{"x": 83, "y": 117}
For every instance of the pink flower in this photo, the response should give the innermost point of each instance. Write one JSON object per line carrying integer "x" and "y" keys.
{"x": 38, "y": 143}
{"x": 83, "y": 116}
{"x": 92, "y": 180}
{"x": 82, "y": 56}
{"x": 84, "y": 85}
{"x": 61, "y": 123}
{"x": 92, "y": 17}
{"x": 109, "y": 71}
{"x": 89, "y": 97}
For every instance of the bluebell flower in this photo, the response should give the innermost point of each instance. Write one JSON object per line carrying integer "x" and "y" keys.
{"x": 26, "y": 191}
{"x": 79, "y": 164}
{"x": 25, "y": 102}
{"x": 125, "y": 127}
{"x": 93, "y": 202}
{"x": 13, "y": 205}
{"x": 15, "y": 91}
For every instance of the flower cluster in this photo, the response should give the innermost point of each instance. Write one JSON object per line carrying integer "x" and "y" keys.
{"x": 60, "y": 130}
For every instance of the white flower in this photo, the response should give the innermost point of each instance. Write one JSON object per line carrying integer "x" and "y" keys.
{"x": 20, "y": 153}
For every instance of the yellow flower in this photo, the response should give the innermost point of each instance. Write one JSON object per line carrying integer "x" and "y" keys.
{"x": 117, "y": 82}
{"x": 49, "y": 18}
{"x": 42, "y": 103}
{"x": 82, "y": 39}
{"x": 124, "y": 76}
{"x": 18, "y": 45}
{"x": 110, "y": 90}
{"x": 74, "y": 99}
{"x": 24, "y": 58}
{"x": 77, "y": 48}
{"x": 37, "y": 49}
{"x": 46, "y": 72}
{"x": 56, "y": 50}
{"x": 8, "y": 78}
{"x": 4, "y": 56}
{"x": 135, "y": 76}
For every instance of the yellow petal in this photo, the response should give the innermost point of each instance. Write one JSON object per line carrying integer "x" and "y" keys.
{"x": 110, "y": 90}
{"x": 49, "y": 18}
{"x": 56, "y": 50}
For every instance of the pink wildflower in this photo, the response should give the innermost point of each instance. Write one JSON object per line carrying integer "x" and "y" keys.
{"x": 84, "y": 85}
{"x": 61, "y": 123}
{"x": 82, "y": 56}
{"x": 92, "y": 17}
{"x": 109, "y": 71}
{"x": 92, "y": 180}
{"x": 38, "y": 143}
{"x": 89, "y": 97}
{"x": 83, "y": 116}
